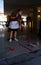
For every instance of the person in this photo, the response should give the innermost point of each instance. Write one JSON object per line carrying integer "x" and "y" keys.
{"x": 15, "y": 24}
{"x": 29, "y": 19}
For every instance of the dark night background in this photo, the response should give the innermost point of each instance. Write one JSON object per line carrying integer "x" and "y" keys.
{"x": 14, "y": 4}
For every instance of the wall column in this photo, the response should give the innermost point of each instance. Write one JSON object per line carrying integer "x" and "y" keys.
{"x": 35, "y": 20}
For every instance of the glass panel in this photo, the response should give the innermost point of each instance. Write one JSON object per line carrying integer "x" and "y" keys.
{"x": 1, "y": 6}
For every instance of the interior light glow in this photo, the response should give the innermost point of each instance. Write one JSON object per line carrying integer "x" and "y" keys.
{"x": 3, "y": 17}
{"x": 25, "y": 23}
{"x": 39, "y": 10}
{"x": 29, "y": 24}
{"x": 38, "y": 16}
{"x": 24, "y": 18}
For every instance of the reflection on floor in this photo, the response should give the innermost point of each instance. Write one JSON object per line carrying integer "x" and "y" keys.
{"x": 27, "y": 51}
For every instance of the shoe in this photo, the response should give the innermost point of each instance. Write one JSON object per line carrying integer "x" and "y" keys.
{"x": 16, "y": 39}
{"x": 10, "y": 40}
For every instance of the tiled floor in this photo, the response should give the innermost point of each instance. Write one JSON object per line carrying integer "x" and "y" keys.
{"x": 27, "y": 51}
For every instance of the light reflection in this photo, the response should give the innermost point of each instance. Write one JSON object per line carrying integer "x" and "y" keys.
{"x": 3, "y": 17}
